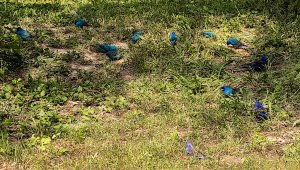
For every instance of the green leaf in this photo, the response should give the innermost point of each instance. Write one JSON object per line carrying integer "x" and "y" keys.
{"x": 45, "y": 141}
{"x": 64, "y": 98}
{"x": 43, "y": 93}
{"x": 79, "y": 89}
{"x": 2, "y": 150}
{"x": 7, "y": 95}
{"x": 9, "y": 88}
{"x": 15, "y": 37}
{"x": 80, "y": 95}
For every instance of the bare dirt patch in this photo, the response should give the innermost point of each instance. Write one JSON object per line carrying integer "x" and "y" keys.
{"x": 92, "y": 56}
{"x": 69, "y": 107}
{"x": 284, "y": 137}
{"x": 88, "y": 68}
{"x": 229, "y": 159}
{"x": 127, "y": 73}
{"x": 244, "y": 52}
{"x": 62, "y": 31}
{"x": 57, "y": 50}
{"x": 121, "y": 45}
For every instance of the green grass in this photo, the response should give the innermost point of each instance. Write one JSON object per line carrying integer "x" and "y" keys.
{"x": 64, "y": 106}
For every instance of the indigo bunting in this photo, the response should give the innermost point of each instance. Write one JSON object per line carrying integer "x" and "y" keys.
{"x": 234, "y": 42}
{"x": 189, "y": 147}
{"x": 111, "y": 51}
{"x": 262, "y": 116}
{"x": 23, "y": 34}
{"x": 136, "y": 36}
{"x": 197, "y": 154}
{"x": 104, "y": 48}
{"x": 259, "y": 65}
{"x": 228, "y": 91}
{"x": 173, "y": 38}
{"x": 80, "y": 23}
{"x": 113, "y": 55}
{"x": 258, "y": 106}
{"x": 210, "y": 35}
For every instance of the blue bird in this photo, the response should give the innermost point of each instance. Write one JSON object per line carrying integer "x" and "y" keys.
{"x": 80, "y": 23}
{"x": 111, "y": 51}
{"x": 228, "y": 91}
{"x": 234, "y": 42}
{"x": 173, "y": 38}
{"x": 210, "y": 35}
{"x": 23, "y": 34}
{"x": 258, "y": 106}
{"x": 262, "y": 116}
{"x": 113, "y": 55}
{"x": 197, "y": 154}
{"x": 104, "y": 48}
{"x": 189, "y": 147}
{"x": 259, "y": 65}
{"x": 136, "y": 36}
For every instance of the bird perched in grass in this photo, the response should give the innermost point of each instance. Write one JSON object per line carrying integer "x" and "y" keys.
{"x": 80, "y": 23}
{"x": 136, "y": 36}
{"x": 111, "y": 51}
{"x": 235, "y": 43}
{"x": 189, "y": 148}
{"x": 23, "y": 34}
{"x": 259, "y": 65}
{"x": 210, "y": 35}
{"x": 190, "y": 152}
{"x": 173, "y": 38}
{"x": 104, "y": 48}
{"x": 228, "y": 91}
{"x": 262, "y": 116}
{"x": 113, "y": 55}
{"x": 258, "y": 105}
{"x": 259, "y": 109}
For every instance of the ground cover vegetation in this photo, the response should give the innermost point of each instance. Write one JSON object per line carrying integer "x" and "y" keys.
{"x": 64, "y": 105}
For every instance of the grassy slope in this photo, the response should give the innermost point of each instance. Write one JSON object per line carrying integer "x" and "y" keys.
{"x": 77, "y": 109}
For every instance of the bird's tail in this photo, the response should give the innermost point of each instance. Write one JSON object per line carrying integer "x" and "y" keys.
{"x": 247, "y": 66}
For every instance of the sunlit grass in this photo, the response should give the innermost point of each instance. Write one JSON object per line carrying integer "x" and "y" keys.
{"x": 64, "y": 106}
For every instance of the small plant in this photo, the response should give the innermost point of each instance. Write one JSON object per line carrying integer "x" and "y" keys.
{"x": 43, "y": 143}
{"x": 259, "y": 141}
{"x": 115, "y": 103}
{"x": 292, "y": 151}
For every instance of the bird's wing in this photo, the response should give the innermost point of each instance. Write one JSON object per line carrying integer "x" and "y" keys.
{"x": 26, "y": 34}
